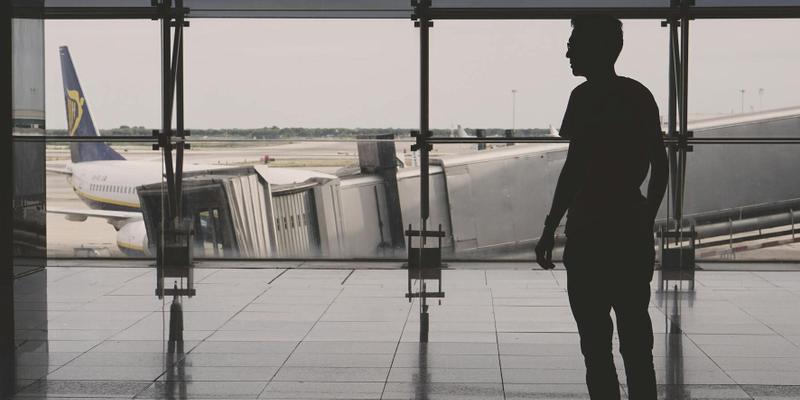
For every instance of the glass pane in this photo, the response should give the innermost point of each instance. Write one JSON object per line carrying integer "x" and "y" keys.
{"x": 95, "y": 89}
{"x": 23, "y": 314}
{"x": 270, "y": 79}
{"x": 102, "y": 78}
{"x": 29, "y": 84}
{"x": 281, "y": 125}
{"x": 742, "y": 86}
{"x": 506, "y": 83}
{"x": 515, "y": 75}
{"x": 94, "y": 206}
{"x": 492, "y": 201}
{"x": 750, "y": 214}
{"x": 28, "y": 156}
{"x": 740, "y": 68}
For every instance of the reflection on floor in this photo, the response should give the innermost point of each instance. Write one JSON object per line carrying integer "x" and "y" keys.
{"x": 339, "y": 333}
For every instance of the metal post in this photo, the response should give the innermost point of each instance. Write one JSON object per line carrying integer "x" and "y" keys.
{"x": 730, "y": 234}
{"x": 166, "y": 108}
{"x": 424, "y": 24}
{"x": 178, "y": 74}
{"x": 742, "y": 91}
{"x": 424, "y": 41}
{"x": 684, "y": 104}
{"x": 7, "y": 361}
{"x": 672, "y": 116}
{"x": 513, "y": 109}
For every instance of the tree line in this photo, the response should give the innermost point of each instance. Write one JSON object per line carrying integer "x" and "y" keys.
{"x": 275, "y": 132}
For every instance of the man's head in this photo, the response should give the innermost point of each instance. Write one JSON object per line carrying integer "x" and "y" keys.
{"x": 594, "y": 45}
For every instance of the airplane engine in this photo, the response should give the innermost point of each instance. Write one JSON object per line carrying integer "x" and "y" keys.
{"x": 132, "y": 239}
{"x": 75, "y": 218}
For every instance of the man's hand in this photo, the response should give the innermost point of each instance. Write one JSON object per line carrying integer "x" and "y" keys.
{"x": 544, "y": 249}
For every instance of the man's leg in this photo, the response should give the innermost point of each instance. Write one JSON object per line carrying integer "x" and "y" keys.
{"x": 591, "y": 307}
{"x": 636, "y": 339}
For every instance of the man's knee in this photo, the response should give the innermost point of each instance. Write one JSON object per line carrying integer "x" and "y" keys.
{"x": 596, "y": 351}
{"x": 638, "y": 351}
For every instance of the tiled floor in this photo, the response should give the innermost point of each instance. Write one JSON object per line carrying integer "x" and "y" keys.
{"x": 500, "y": 333}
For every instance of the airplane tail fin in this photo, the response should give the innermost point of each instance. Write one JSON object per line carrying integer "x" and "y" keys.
{"x": 461, "y": 132}
{"x": 79, "y": 120}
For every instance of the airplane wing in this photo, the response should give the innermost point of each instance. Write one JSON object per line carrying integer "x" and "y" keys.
{"x": 60, "y": 171}
{"x": 115, "y": 218}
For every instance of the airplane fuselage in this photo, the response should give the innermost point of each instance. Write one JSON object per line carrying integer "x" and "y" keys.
{"x": 111, "y": 185}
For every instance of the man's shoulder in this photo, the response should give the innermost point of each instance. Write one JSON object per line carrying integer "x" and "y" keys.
{"x": 626, "y": 83}
{"x": 583, "y": 87}
{"x": 635, "y": 87}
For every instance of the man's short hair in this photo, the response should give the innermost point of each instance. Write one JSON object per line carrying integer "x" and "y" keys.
{"x": 602, "y": 32}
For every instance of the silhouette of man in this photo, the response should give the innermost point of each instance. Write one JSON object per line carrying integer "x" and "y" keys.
{"x": 615, "y": 137}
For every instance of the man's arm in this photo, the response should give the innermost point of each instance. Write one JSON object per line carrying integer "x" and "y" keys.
{"x": 566, "y": 187}
{"x": 568, "y": 179}
{"x": 659, "y": 173}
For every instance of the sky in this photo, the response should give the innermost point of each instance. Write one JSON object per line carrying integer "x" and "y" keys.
{"x": 365, "y": 73}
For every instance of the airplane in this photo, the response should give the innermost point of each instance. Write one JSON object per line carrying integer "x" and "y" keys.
{"x": 462, "y": 133}
{"x": 107, "y": 182}
{"x": 553, "y": 132}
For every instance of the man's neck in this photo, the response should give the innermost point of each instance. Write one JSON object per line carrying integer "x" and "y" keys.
{"x": 602, "y": 75}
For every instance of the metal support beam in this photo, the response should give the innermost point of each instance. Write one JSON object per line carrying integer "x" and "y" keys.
{"x": 683, "y": 103}
{"x": 165, "y": 136}
{"x": 25, "y": 10}
{"x": 674, "y": 141}
{"x": 672, "y": 111}
{"x": 678, "y": 135}
{"x": 7, "y": 347}
{"x": 172, "y": 100}
{"x": 174, "y": 247}
{"x": 527, "y": 13}
{"x": 178, "y": 85}
{"x": 424, "y": 23}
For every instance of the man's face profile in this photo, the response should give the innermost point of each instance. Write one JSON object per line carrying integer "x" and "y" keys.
{"x": 588, "y": 53}
{"x": 582, "y": 59}
{"x": 576, "y": 58}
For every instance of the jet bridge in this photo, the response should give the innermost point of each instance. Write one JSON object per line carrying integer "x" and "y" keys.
{"x": 247, "y": 212}
{"x": 228, "y": 211}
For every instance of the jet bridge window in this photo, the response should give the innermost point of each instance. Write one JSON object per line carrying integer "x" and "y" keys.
{"x": 209, "y": 235}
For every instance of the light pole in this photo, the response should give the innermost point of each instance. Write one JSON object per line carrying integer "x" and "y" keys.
{"x": 513, "y": 109}
{"x": 742, "y": 91}
{"x": 760, "y": 99}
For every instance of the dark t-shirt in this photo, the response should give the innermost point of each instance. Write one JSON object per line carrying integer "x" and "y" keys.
{"x": 613, "y": 127}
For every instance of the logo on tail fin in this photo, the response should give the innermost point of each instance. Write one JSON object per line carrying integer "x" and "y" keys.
{"x": 75, "y": 104}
